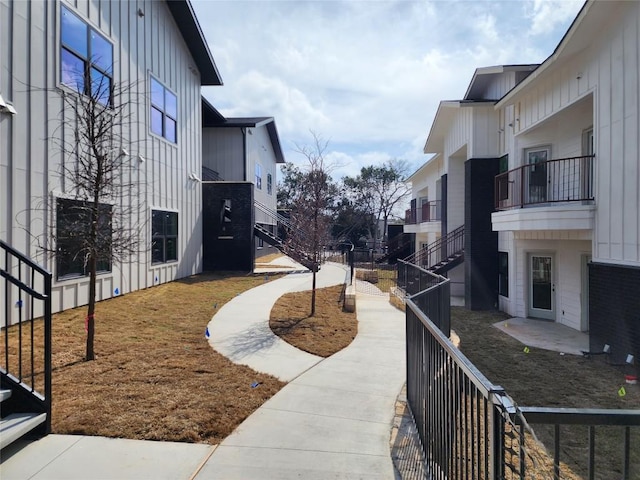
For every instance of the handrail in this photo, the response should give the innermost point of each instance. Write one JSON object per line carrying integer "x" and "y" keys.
{"x": 28, "y": 286}
{"x": 445, "y": 246}
{"x": 559, "y": 180}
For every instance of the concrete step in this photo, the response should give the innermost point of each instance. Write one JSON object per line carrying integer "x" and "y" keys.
{"x": 4, "y": 394}
{"x": 17, "y": 425}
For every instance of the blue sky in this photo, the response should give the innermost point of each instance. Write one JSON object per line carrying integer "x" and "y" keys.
{"x": 366, "y": 75}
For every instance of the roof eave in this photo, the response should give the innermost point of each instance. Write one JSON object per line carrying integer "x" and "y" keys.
{"x": 509, "y": 96}
{"x": 187, "y": 23}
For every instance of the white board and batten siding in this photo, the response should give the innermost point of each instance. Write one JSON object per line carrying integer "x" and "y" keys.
{"x": 143, "y": 45}
{"x": 605, "y": 73}
{"x": 260, "y": 151}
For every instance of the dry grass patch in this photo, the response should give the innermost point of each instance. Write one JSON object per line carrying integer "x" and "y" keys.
{"x": 328, "y": 332}
{"x": 155, "y": 376}
{"x": 546, "y": 379}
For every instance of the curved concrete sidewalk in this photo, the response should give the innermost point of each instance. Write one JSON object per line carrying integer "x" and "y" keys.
{"x": 332, "y": 421}
{"x": 240, "y": 330}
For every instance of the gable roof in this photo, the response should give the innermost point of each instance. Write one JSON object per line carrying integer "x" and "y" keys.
{"x": 484, "y": 76}
{"x": 591, "y": 18}
{"x": 212, "y": 118}
{"x": 189, "y": 27}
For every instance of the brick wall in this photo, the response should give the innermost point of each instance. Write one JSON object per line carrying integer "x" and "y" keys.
{"x": 228, "y": 245}
{"x": 480, "y": 242}
{"x": 614, "y": 310}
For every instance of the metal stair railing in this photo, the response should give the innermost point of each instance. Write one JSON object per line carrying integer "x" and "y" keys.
{"x": 277, "y": 241}
{"x": 25, "y": 365}
{"x": 447, "y": 246}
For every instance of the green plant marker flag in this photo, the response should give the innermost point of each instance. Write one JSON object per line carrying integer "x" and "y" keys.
{"x": 526, "y": 350}
{"x": 622, "y": 392}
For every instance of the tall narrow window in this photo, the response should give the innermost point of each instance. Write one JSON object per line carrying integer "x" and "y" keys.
{"x": 164, "y": 111}
{"x": 258, "y": 176}
{"x": 86, "y": 58}
{"x": 164, "y": 239}
{"x": 269, "y": 184}
{"x": 73, "y": 221}
{"x": 503, "y": 274}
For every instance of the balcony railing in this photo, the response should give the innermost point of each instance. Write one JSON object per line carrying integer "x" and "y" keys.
{"x": 429, "y": 212}
{"x": 553, "y": 181}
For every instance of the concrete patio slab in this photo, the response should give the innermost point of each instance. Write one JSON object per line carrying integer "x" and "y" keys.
{"x": 546, "y": 335}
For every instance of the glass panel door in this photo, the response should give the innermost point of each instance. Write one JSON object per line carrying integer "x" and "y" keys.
{"x": 542, "y": 288}
{"x": 537, "y": 178}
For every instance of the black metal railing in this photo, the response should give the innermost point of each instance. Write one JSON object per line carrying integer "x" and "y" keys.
{"x": 26, "y": 359}
{"x": 428, "y": 212}
{"x": 470, "y": 428}
{"x": 596, "y": 420}
{"x": 553, "y": 181}
{"x": 445, "y": 247}
{"x": 454, "y": 406}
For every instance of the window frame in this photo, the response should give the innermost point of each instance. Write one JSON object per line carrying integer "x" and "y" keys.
{"x": 162, "y": 110}
{"x": 258, "y": 176}
{"x": 164, "y": 236}
{"x": 88, "y": 60}
{"x": 269, "y": 184}
{"x": 63, "y": 242}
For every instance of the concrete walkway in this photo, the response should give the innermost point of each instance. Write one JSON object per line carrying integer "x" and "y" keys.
{"x": 332, "y": 421}
{"x": 240, "y": 330}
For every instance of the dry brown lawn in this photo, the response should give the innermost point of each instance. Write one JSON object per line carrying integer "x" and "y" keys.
{"x": 544, "y": 378}
{"x": 155, "y": 376}
{"x": 330, "y": 330}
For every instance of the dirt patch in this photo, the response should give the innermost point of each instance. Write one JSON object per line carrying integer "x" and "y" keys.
{"x": 155, "y": 376}
{"x": 328, "y": 332}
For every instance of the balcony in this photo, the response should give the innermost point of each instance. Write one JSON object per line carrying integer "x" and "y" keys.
{"x": 429, "y": 212}
{"x": 551, "y": 195}
{"x": 553, "y": 181}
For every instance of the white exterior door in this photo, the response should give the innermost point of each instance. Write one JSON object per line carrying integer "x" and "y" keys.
{"x": 541, "y": 286}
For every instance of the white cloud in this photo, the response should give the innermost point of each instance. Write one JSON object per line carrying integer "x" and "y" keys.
{"x": 546, "y": 15}
{"x": 367, "y": 75}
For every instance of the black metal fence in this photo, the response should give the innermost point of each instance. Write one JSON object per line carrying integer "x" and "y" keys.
{"x": 470, "y": 428}
{"x": 26, "y": 345}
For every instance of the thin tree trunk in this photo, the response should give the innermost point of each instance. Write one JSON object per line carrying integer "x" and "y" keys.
{"x": 313, "y": 294}
{"x": 90, "y": 355}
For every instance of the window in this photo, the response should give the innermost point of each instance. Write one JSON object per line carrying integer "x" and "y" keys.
{"x": 73, "y": 220}
{"x": 164, "y": 238}
{"x": 269, "y": 184}
{"x": 226, "y": 228}
{"x": 258, "y": 176}
{"x": 503, "y": 274}
{"x": 164, "y": 111}
{"x": 86, "y": 58}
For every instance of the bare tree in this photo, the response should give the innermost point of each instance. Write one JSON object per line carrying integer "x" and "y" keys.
{"x": 311, "y": 211}
{"x": 94, "y": 226}
{"x": 378, "y": 191}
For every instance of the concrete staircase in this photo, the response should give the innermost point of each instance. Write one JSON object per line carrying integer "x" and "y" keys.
{"x": 15, "y": 425}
